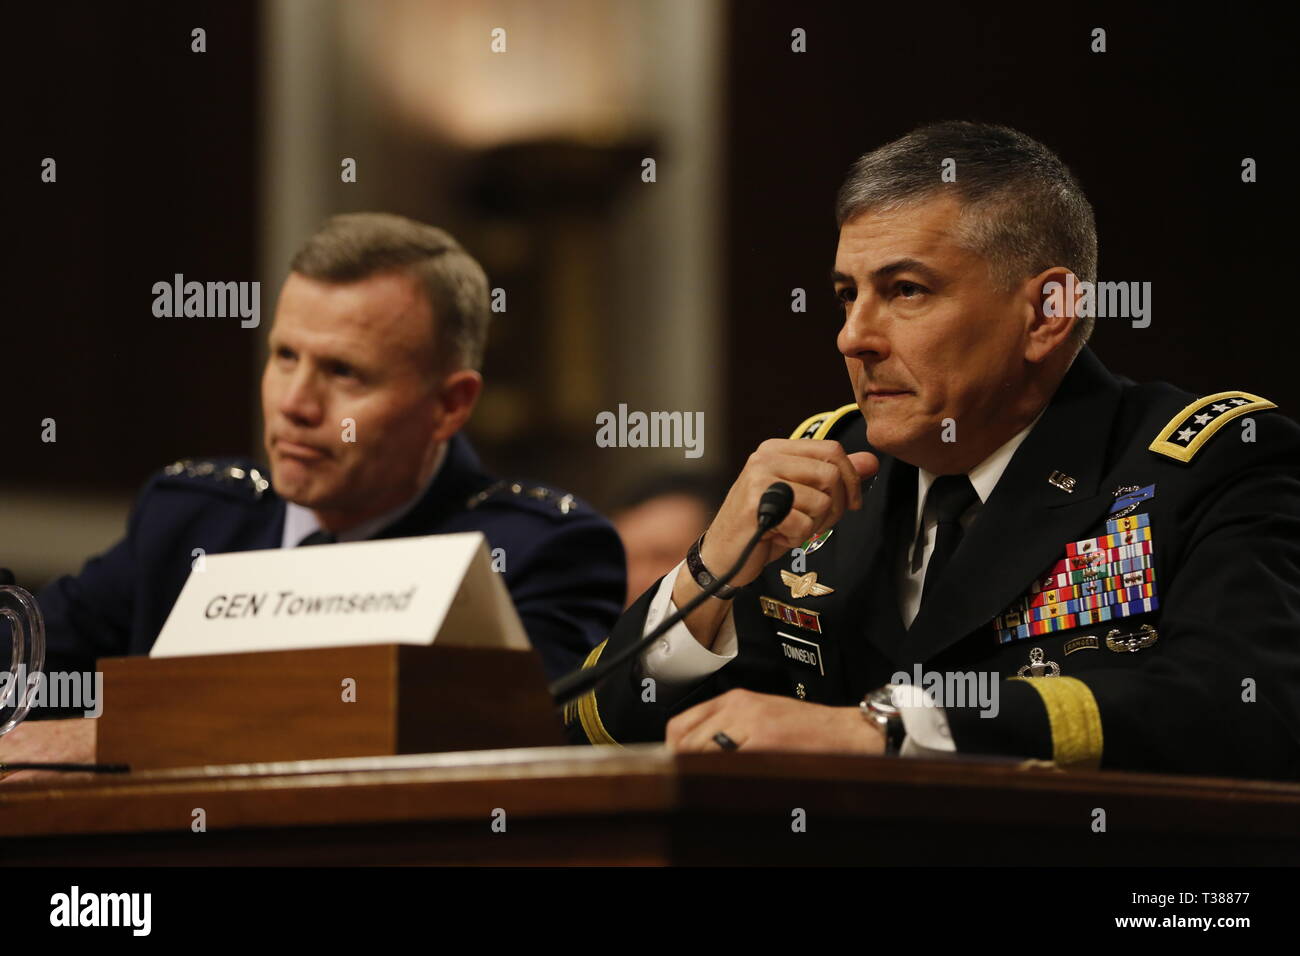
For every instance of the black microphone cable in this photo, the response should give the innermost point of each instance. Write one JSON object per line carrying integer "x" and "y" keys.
{"x": 775, "y": 504}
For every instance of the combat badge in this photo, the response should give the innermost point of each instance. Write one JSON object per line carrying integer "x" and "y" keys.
{"x": 1132, "y": 642}
{"x": 1129, "y": 497}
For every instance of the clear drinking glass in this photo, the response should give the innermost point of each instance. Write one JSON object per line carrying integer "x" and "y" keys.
{"x": 21, "y": 617}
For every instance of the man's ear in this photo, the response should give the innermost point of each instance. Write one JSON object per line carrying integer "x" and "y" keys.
{"x": 457, "y": 395}
{"x": 1052, "y": 308}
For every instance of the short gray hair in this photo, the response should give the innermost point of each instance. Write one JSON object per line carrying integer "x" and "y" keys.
{"x": 1021, "y": 207}
{"x": 355, "y": 246}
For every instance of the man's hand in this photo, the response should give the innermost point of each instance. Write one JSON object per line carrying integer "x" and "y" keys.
{"x": 826, "y": 482}
{"x": 47, "y": 741}
{"x": 766, "y": 722}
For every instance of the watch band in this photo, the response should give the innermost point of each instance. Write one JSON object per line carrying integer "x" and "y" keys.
{"x": 878, "y": 709}
{"x": 702, "y": 576}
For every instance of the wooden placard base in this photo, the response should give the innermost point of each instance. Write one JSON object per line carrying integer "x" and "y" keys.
{"x": 379, "y": 699}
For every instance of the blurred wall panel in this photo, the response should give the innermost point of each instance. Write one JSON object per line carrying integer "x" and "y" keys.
{"x": 523, "y": 127}
{"x": 155, "y": 148}
{"x": 1153, "y": 128}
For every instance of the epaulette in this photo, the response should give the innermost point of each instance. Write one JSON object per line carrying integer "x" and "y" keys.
{"x": 231, "y": 475}
{"x": 1196, "y": 424}
{"x": 517, "y": 491}
{"x": 821, "y": 424}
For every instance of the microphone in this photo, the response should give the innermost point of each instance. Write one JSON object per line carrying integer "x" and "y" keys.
{"x": 775, "y": 504}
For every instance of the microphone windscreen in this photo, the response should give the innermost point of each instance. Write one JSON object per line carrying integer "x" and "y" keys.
{"x": 775, "y": 504}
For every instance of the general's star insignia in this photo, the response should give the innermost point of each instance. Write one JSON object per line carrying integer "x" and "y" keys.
{"x": 1189, "y": 430}
{"x": 804, "y": 585}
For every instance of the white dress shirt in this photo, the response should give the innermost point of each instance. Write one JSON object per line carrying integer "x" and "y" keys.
{"x": 300, "y": 521}
{"x": 677, "y": 659}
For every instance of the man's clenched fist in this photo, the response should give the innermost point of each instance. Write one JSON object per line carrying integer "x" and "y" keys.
{"x": 826, "y": 483}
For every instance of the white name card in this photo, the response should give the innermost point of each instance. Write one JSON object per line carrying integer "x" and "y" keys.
{"x": 396, "y": 591}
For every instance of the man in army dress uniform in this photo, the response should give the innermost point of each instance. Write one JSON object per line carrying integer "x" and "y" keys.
{"x": 1118, "y": 564}
{"x": 372, "y": 373}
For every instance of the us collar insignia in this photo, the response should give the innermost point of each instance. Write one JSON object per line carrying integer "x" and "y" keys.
{"x": 1063, "y": 481}
{"x": 804, "y": 585}
{"x": 815, "y": 542}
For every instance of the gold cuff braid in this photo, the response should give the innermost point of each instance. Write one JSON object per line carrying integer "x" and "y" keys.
{"x": 586, "y": 710}
{"x": 1074, "y": 720}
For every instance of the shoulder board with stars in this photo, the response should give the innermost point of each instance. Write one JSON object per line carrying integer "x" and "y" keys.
{"x": 820, "y": 425}
{"x": 231, "y": 475}
{"x": 517, "y": 490}
{"x": 1192, "y": 427}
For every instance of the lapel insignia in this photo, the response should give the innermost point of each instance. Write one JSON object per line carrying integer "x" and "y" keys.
{"x": 230, "y": 474}
{"x": 1100, "y": 579}
{"x": 1192, "y": 427}
{"x": 808, "y": 620}
{"x": 815, "y": 542}
{"x": 801, "y": 691}
{"x": 1063, "y": 481}
{"x": 804, "y": 585}
{"x": 1132, "y": 642}
{"x": 1037, "y": 667}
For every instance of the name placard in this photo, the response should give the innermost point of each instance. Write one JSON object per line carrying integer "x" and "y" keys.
{"x": 396, "y": 591}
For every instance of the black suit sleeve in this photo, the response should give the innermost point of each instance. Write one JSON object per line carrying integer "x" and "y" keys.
{"x": 627, "y": 709}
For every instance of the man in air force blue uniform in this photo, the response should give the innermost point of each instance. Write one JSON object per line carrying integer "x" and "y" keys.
{"x": 372, "y": 373}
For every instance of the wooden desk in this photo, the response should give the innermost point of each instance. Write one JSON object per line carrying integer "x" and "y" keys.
{"x": 643, "y": 805}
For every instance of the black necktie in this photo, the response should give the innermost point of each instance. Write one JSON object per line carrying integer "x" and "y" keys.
{"x": 950, "y": 497}
{"x": 320, "y": 537}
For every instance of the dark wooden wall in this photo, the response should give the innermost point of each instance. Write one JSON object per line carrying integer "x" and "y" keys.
{"x": 156, "y": 149}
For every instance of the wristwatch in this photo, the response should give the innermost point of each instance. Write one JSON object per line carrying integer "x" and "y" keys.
{"x": 878, "y": 709}
{"x": 703, "y": 577}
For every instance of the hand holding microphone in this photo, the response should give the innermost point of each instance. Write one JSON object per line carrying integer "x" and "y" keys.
{"x": 824, "y": 481}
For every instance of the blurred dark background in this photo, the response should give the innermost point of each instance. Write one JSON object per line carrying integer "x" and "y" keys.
{"x": 671, "y": 295}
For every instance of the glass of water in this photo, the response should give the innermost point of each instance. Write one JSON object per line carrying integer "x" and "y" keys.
{"x": 21, "y": 617}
